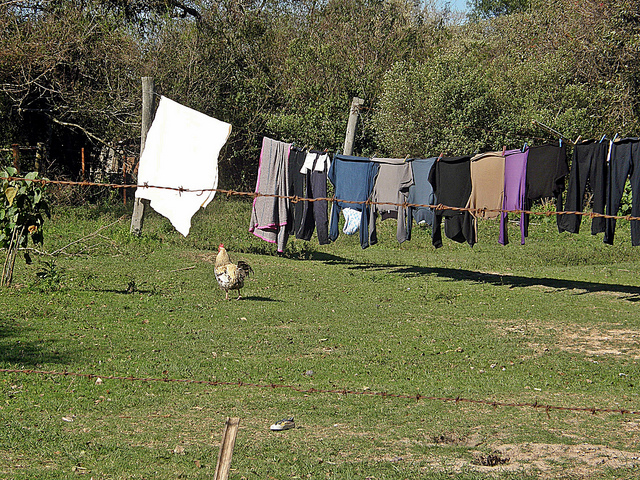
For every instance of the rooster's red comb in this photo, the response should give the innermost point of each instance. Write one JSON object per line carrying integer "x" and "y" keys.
{"x": 221, "y": 246}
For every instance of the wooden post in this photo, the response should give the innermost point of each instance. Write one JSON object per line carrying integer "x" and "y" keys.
{"x": 351, "y": 125}
{"x": 16, "y": 156}
{"x": 39, "y": 155}
{"x": 226, "y": 448}
{"x": 83, "y": 166}
{"x": 124, "y": 179}
{"x": 147, "y": 112}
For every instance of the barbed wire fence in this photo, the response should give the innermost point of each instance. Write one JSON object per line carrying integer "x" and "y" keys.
{"x": 340, "y": 391}
{"x": 481, "y": 212}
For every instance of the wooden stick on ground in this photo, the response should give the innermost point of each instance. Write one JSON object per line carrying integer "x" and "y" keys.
{"x": 226, "y": 448}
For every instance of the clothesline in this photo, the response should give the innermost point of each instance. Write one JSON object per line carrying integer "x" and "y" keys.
{"x": 496, "y": 184}
{"x": 483, "y": 185}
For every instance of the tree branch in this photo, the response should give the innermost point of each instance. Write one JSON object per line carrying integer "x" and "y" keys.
{"x": 85, "y": 131}
{"x": 187, "y": 10}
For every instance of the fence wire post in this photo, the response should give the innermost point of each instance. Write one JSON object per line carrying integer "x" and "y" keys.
{"x": 226, "y": 448}
{"x": 16, "y": 156}
{"x": 147, "y": 112}
{"x": 356, "y": 103}
{"x": 39, "y": 156}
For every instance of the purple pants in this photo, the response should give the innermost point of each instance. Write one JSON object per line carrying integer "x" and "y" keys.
{"x": 515, "y": 182}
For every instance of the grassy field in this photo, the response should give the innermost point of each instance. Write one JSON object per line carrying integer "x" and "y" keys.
{"x": 555, "y": 321}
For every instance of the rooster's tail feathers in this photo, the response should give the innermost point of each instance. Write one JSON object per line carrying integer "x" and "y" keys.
{"x": 245, "y": 267}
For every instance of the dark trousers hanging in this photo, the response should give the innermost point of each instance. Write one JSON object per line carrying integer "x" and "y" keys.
{"x": 546, "y": 169}
{"x": 298, "y": 188}
{"x": 316, "y": 215}
{"x": 589, "y": 163}
{"x": 624, "y": 162}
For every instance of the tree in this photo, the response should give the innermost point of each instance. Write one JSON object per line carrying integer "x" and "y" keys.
{"x": 486, "y": 9}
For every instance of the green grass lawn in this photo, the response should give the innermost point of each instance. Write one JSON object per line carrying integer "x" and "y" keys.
{"x": 555, "y": 321}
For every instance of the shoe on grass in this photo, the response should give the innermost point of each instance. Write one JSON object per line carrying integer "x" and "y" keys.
{"x": 284, "y": 424}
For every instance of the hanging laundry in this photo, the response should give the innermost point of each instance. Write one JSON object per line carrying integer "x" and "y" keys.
{"x": 451, "y": 181}
{"x": 352, "y": 220}
{"x": 589, "y": 164}
{"x": 353, "y": 179}
{"x": 181, "y": 151}
{"x": 298, "y": 188}
{"x": 420, "y": 193}
{"x": 316, "y": 161}
{"x": 487, "y": 190}
{"x": 270, "y": 214}
{"x": 309, "y": 173}
{"x": 391, "y": 188}
{"x": 515, "y": 184}
{"x": 546, "y": 170}
{"x": 625, "y": 162}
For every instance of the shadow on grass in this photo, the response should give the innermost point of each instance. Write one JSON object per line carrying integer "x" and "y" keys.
{"x": 512, "y": 281}
{"x": 259, "y": 299}
{"x": 33, "y": 353}
{"x": 515, "y": 281}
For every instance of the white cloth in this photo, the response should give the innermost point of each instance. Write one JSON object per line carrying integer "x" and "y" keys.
{"x": 181, "y": 150}
{"x": 309, "y": 160}
{"x": 323, "y": 164}
{"x": 317, "y": 162}
{"x": 352, "y": 219}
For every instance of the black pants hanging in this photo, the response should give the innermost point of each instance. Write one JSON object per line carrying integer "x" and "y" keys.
{"x": 589, "y": 163}
{"x": 625, "y": 162}
{"x": 451, "y": 181}
{"x": 546, "y": 169}
{"x": 298, "y": 188}
{"x": 316, "y": 215}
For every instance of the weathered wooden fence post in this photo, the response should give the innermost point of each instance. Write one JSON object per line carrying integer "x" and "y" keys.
{"x": 16, "y": 156}
{"x": 226, "y": 448}
{"x": 39, "y": 156}
{"x": 147, "y": 113}
{"x": 84, "y": 176}
{"x": 351, "y": 125}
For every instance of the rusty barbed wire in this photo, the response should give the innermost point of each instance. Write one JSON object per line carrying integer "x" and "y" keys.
{"x": 342, "y": 391}
{"x": 481, "y": 212}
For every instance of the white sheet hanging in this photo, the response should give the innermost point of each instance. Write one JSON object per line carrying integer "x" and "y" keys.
{"x": 181, "y": 150}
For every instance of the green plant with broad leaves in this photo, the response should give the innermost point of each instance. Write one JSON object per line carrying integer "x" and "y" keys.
{"x": 23, "y": 207}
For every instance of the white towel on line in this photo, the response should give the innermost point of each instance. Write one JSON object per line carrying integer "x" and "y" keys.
{"x": 181, "y": 151}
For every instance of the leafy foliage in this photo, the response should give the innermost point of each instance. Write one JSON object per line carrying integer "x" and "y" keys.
{"x": 23, "y": 208}
{"x": 70, "y": 73}
{"x": 483, "y": 9}
{"x": 50, "y": 276}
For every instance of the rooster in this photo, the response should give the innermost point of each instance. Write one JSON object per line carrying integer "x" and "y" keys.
{"x": 229, "y": 275}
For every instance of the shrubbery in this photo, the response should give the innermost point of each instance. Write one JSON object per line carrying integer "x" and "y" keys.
{"x": 431, "y": 82}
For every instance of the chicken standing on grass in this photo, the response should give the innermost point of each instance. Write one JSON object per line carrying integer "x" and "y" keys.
{"x": 230, "y": 276}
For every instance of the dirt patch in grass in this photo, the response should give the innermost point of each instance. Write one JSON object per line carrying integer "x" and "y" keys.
{"x": 546, "y": 461}
{"x": 591, "y": 341}
{"x": 596, "y": 342}
{"x": 581, "y": 461}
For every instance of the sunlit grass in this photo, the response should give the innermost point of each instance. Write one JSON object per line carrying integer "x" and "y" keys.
{"x": 554, "y": 321}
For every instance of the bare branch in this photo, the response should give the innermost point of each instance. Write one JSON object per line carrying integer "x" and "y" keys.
{"x": 85, "y": 131}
